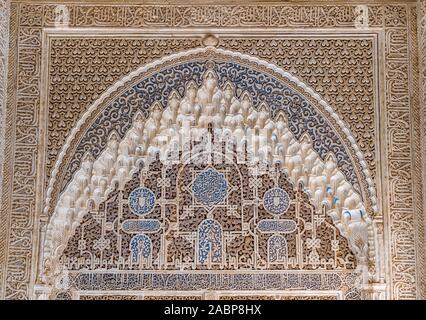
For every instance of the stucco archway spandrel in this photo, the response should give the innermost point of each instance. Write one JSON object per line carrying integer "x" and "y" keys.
{"x": 66, "y": 165}
{"x": 205, "y": 109}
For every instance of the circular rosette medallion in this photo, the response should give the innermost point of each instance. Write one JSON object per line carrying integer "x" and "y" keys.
{"x": 141, "y": 200}
{"x": 276, "y": 201}
{"x": 210, "y": 187}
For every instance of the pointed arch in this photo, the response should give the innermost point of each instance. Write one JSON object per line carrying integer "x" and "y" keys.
{"x": 57, "y": 183}
{"x": 140, "y": 247}
{"x": 209, "y": 242}
{"x": 210, "y": 108}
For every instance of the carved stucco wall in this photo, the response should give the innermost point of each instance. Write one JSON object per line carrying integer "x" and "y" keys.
{"x": 385, "y": 82}
{"x": 191, "y": 214}
{"x": 4, "y": 38}
{"x": 421, "y": 5}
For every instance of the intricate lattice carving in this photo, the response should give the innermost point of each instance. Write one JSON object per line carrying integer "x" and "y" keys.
{"x": 96, "y": 64}
{"x": 239, "y": 240}
{"x": 195, "y": 211}
{"x": 318, "y": 145}
{"x": 353, "y": 70}
{"x": 20, "y": 165}
{"x": 201, "y": 107}
{"x": 340, "y": 70}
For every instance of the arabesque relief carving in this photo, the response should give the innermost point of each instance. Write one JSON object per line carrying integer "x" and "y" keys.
{"x": 216, "y": 208}
{"x": 421, "y": 31}
{"x": 294, "y": 55}
{"x": 4, "y": 38}
{"x": 367, "y": 76}
{"x": 162, "y": 130}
